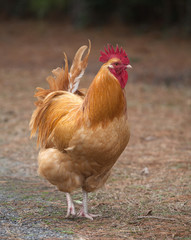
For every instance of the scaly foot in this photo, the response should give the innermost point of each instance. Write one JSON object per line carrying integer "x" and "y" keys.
{"x": 71, "y": 208}
{"x": 90, "y": 216}
{"x": 70, "y": 211}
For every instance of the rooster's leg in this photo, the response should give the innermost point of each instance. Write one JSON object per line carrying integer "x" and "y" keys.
{"x": 84, "y": 210}
{"x": 71, "y": 208}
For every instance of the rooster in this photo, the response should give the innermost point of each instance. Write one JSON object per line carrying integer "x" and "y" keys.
{"x": 82, "y": 133}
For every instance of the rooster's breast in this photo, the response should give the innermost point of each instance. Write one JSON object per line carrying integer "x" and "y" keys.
{"x": 102, "y": 145}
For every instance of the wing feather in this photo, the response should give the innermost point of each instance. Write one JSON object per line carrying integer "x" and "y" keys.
{"x": 58, "y": 103}
{"x": 58, "y": 108}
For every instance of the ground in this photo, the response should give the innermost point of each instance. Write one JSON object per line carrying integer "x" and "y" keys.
{"x": 148, "y": 195}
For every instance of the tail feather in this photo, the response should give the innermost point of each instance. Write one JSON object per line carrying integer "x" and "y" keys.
{"x": 61, "y": 82}
{"x": 39, "y": 118}
{"x": 64, "y": 80}
{"x": 78, "y": 68}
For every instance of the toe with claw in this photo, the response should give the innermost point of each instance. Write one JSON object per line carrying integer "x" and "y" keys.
{"x": 70, "y": 211}
{"x": 90, "y": 216}
{"x": 84, "y": 210}
{"x": 71, "y": 208}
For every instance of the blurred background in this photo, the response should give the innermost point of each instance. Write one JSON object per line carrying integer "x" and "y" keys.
{"x": 83, "y": 13}
{"x": 156, "y": 35}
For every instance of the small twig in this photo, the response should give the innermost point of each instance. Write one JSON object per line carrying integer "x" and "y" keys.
{"x": 54, "y": 203}
{"x": 155, "y": 217}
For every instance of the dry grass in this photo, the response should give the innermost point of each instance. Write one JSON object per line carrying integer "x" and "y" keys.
{"x": 134, "y": 204}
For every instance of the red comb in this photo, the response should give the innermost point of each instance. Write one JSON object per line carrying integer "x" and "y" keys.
{"x": 111, "y": 53}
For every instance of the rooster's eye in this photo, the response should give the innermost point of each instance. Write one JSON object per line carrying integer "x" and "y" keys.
{"x": 116, "y": 64}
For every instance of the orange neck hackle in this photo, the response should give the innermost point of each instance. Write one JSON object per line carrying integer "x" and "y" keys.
{"x": 105, "y": 98}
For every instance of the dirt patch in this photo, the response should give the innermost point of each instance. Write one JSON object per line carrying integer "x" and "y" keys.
{"x": 135, "y": 203}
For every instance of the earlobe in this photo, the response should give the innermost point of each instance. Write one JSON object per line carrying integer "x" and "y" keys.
{"x": 111, "y": 66}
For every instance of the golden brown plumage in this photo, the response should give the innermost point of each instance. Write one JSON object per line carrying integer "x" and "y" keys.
{"x": 81, "y": 134}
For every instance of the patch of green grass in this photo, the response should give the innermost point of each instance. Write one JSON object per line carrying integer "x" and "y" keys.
{"x": 27, "y": 197}
{"x": 50, "y": 199}
{"x": 16, "y": 218}
{"x": 64, "y": 231}
{"x": 46, "y": 221}
{"x": 46, "y": 193}
{"x": 28, "y": 214}
{"x": 11, "y": 207}
{"x": 5, "y": 203}
{"x": 41, "y": 210}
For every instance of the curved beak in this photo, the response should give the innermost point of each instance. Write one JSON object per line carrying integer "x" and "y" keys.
{"x": 129, "y": 66}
